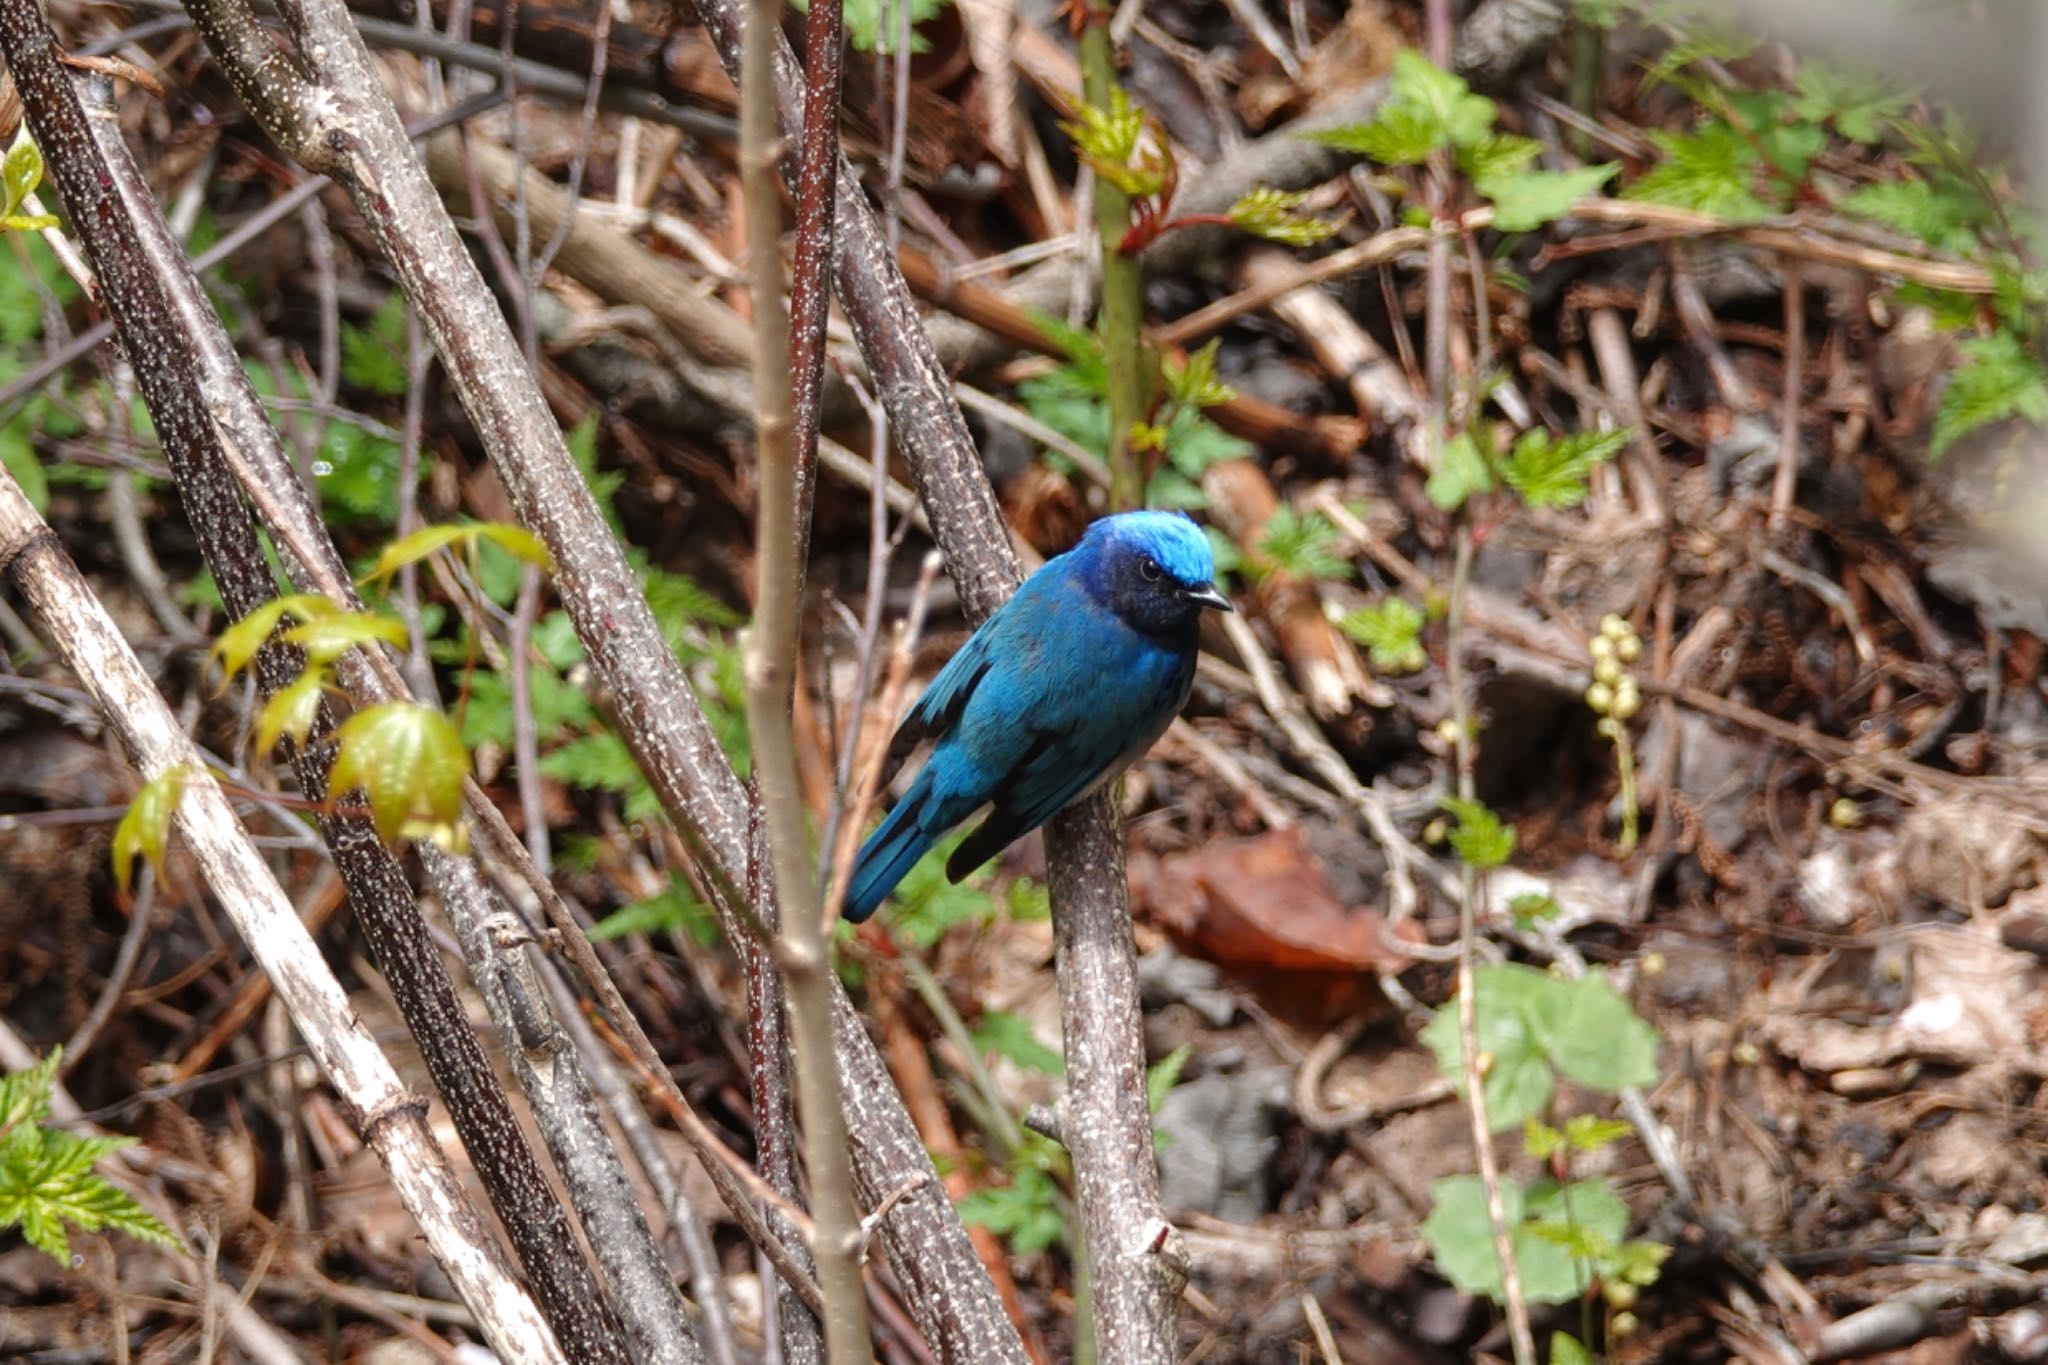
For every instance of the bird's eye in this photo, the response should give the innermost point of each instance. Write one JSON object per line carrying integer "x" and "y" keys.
{"x": 1148, "y": 569}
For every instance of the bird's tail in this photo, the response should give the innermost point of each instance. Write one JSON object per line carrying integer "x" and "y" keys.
{"x": 891, "y": 851}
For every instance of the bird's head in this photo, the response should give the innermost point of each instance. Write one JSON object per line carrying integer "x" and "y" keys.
{"x": 1153, "y": 569}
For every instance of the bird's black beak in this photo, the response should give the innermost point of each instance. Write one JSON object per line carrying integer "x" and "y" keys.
{"x": 1207, "y": 596}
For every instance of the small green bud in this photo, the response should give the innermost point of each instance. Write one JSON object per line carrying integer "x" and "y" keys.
{"x": 1608, "y": 728}
{"x": 1600, "y": 697}
{"x": 1628, "y": 648}
{"x": 1607, "y": 670}
{"x": 1615, "y": 627}
{"x": 1844, "y": 813}
{"x": 1600, "y": 647}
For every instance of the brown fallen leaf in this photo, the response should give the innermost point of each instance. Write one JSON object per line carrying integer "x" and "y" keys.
{"x": 1262, "y": 904}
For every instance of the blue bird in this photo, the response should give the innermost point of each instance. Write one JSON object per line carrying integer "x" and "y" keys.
{"x": 1064, "y": 687}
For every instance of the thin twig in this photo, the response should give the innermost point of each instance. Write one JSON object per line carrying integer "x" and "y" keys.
{"x": 801, "y": 944}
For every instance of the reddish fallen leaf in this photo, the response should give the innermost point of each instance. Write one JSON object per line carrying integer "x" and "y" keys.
{"x": 1262, "y": 904}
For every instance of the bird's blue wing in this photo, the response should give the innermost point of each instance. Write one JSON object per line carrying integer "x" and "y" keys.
{"x": 1070, "y": 739}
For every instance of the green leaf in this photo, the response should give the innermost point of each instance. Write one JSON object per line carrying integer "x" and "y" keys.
{"x": 1461, "y": 471}
{"x": 1304, "y": 545}
{"x": 1391, "y": 631}
{"x": 18, "y": 458}
{"x": 21, "y": 170}
{"x": 1551, "y": 471}
{"x": 1112, "y": 141}
{"x": 1526, "y": 200}
{"x": 1590, "y": 1132}
{"x": 1532, "y": 907}
{"x": 1460, "y": 1235}
{"x": 1532, "y": 1025}
{"x": 1010, "y": 1036}
{"x": 409, "y": 762}
{"x": 1479, "y": 837}
{"x": 46, "y": 1174}
{"x": 928, "y": 903}
{"x": 373, "y": 356}
{"x": 1272, "y": 214}
{"x": 422, "y": 544}
{"x": 358, "y": 473}
{"x": 292, "y": 709}
{"x": 1498, "y": 155}
{"x": 145, "y": 827}
{"x": 873, "y": 25}
{"x": 1860, "y": 105}
{"x": 672, "y": 910}
{"x": 1193, "y": 381}
{"x": 1163, "y": 1075}
{"x": 559, "y": 708}
{"x": 1998, "y": 380}
{"x": 1710, "y": 171}
{"x": 1566, "y": 1350}
{"x": 327, "y": 638}
{"x": 1939, "y": 211}
{"x": 1026, "y": 1212}
{"x": 1427, "y": 110}
{"x": 25, "y": 1095}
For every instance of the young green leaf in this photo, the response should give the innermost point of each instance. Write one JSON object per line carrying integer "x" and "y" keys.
{"x": 672, "y": 910}
{"x": 21, "y": 171}
{"x": 1549, "y": 1224}
{"x": 145, "y": 827}
{"x": 1550, "y": 471}
{"x": 1163, "y": 1075}
{"x": 1010, "y": 1036}
{"x": 1391, "y": 631}
{"x": 373, "y": 356}
{"x": 1462, "y": 470}
{"x": 1304, "y": 545}
{"x": 1479, "y": 837}
{"x": 1113, "y": 142}
{"x": 46, "y": 1175}
{"x": 1526, "y": 200}
{"x": 1427, "y": 110}
{"x": 292, "y": 709}
{"x": 516, "y": 541}
{"x": 409, "y": 762}
{"x": 1192, "y": 381}
{"x": 1272, "y": 214}
{"x": 1998, "y": 380}
{"x": 1860, "y": 105}
{"x": 326, "y": 638}
{"x": 1712, "y": 171}
{"x": 239, "y": 643}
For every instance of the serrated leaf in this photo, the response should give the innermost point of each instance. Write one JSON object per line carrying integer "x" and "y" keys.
{"x": 409, "y": 762}
{"x": 1526, "y": 200}
{"x": 1427, "y": 110}
{"x": 1478, "y": 837}
{"x": 1998, "y": 380}
{"x": 1859, "y": 104}
{"x": 1010, "y": 1036}
{"x": 1273, "y": 215}
{"x": 1500, "y": 154}
{"x": 1550, "y": 471}
{"x": 1192, "y": 380}
{"x": 929, "y": 904}
{"x": 1461, "y": 471}
{"x": 144, "y": 829}
{"x": 1391, "y": 631}
{"x": 1713, "y": 171}
{"x": 373, "y": 356}
{"x": 1162, "y": 1076}
{"x": 1113, "y": 143}
{"x": 25, "y": 1095}
{"x": 672, "y": 910}
{"x": 1301, "y": 544}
